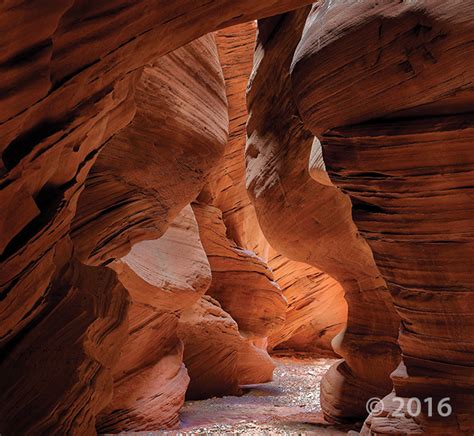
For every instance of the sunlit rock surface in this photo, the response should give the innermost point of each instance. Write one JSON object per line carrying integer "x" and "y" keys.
{"x": 303, "y": 284}
{"x": 155, "y": 166}
{"x": 316, "y": 312}
{"x": 311, "y": 222}
{"x": 164, "y": 277}
{"x": 217, "y": 357}
{"x": 239, "y": 276}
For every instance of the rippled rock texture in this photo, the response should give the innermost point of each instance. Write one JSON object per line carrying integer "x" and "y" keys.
{"x": 395, "y": 123}
{"x": 309, "y": 220}
{"x": 155, "y": 166}
{"x": 164, "y": 277}
{"x": 58, "y": 376}
{"x": 69, "y": 74}
{"x": 218, "y": 358}
{"x": 308, "y": 290}
{"x": 316, "y": 312}
{"x": 116, "y": 116}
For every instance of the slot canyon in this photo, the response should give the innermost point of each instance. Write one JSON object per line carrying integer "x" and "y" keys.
{"x": 241, "y": 217}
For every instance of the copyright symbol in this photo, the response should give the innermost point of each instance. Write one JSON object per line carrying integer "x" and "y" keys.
{"x": 374, "y": 406}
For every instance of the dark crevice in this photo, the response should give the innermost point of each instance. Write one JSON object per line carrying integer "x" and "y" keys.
{"x": 24, "y": 144}
{"x": 26, "y": 56}
{"x": 49, "y": 200}
{"x": 361, "y": 207}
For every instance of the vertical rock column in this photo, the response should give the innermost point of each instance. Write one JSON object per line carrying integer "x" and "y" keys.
{"x": 164, "y": 277}
{"x": 309, "y": 289}
{"x": 388, "y": 89}
{"x": 310, "y": 221}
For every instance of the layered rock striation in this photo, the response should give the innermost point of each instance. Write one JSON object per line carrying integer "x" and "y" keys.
{"x": 395, "y": 123}
{"x": 115, "y": 117}
{"x": 69, "y": 72}
{"x": 239, "y": 275}
{"x": 303, "y": 284}
{"x": 57, "y": 376}
{"x": 316, "y": 312}
{"x": 155, "y": 166}
{"x": 309, "y": 220}
{"x": 164, "y": 278}
{"x": 218, "y": 358}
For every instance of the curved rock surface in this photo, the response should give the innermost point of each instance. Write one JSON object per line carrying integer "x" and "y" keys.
{"x": 316, "y": 312}
{"x": 311, "y": 222}
{"x": 60, "y": 371}
{"x": 68, "y": 75}
{"x": 226, "y": 190}
{"x": 155, "y": 166}
{"x": 217, "y": 357}
{"x": 164, "y": 277}
{"x": 239, "y": 275}
{"x": 226, "y": 186}
{"x": 396, "y": 127}
{"x": 113, "y": 117}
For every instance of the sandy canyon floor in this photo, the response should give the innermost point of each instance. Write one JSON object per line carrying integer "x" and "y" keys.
{"x": 288, "y": 405}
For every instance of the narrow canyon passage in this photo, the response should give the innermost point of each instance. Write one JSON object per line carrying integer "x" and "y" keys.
{"x": 237, "y": 216}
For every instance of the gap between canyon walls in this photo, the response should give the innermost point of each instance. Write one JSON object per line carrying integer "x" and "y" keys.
{"x": 165, "y": 226}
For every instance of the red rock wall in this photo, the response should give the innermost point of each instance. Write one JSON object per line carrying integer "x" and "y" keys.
{"x": 316, "y": 312}
{"x": 164, "y": 277}
{"x": 218, "y": 358}
{"x": 56, "y": 377}
{"x": 114, "y": 116}
{"x": 69, "y": 72}
{"x": 310, "y": 222}
{"x": 395, "y": 122}
{"x": 239, "y": 275}
{"x": 226, "y": 190}
{"x": 130, "y": 196}
{"x": 133, "y": 193}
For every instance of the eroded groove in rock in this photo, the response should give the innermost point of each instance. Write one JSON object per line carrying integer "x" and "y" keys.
{"x": 396, "y": 127}
{"x": 68, "y": 73}
{"x": 164, "y": 277}
{"x": 310, "y": 222}
{"x": 226, "y": 185}
{"x": 226, "y": 190}
{"x": 135, "y": 92}
{"x": 239, "y": 275}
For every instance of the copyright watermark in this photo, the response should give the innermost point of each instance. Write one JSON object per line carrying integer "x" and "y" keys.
{"x": 374, "y": 406}
{"x": 411, "y": 406}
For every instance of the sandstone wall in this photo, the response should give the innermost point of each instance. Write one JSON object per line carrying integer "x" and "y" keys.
{"x": 388, "y": 89}
{"x": 69, "y": 73}
{"x": 300, "y": 282}
{"x": 309, "y": 221}
{"x": 115, "y": 116}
